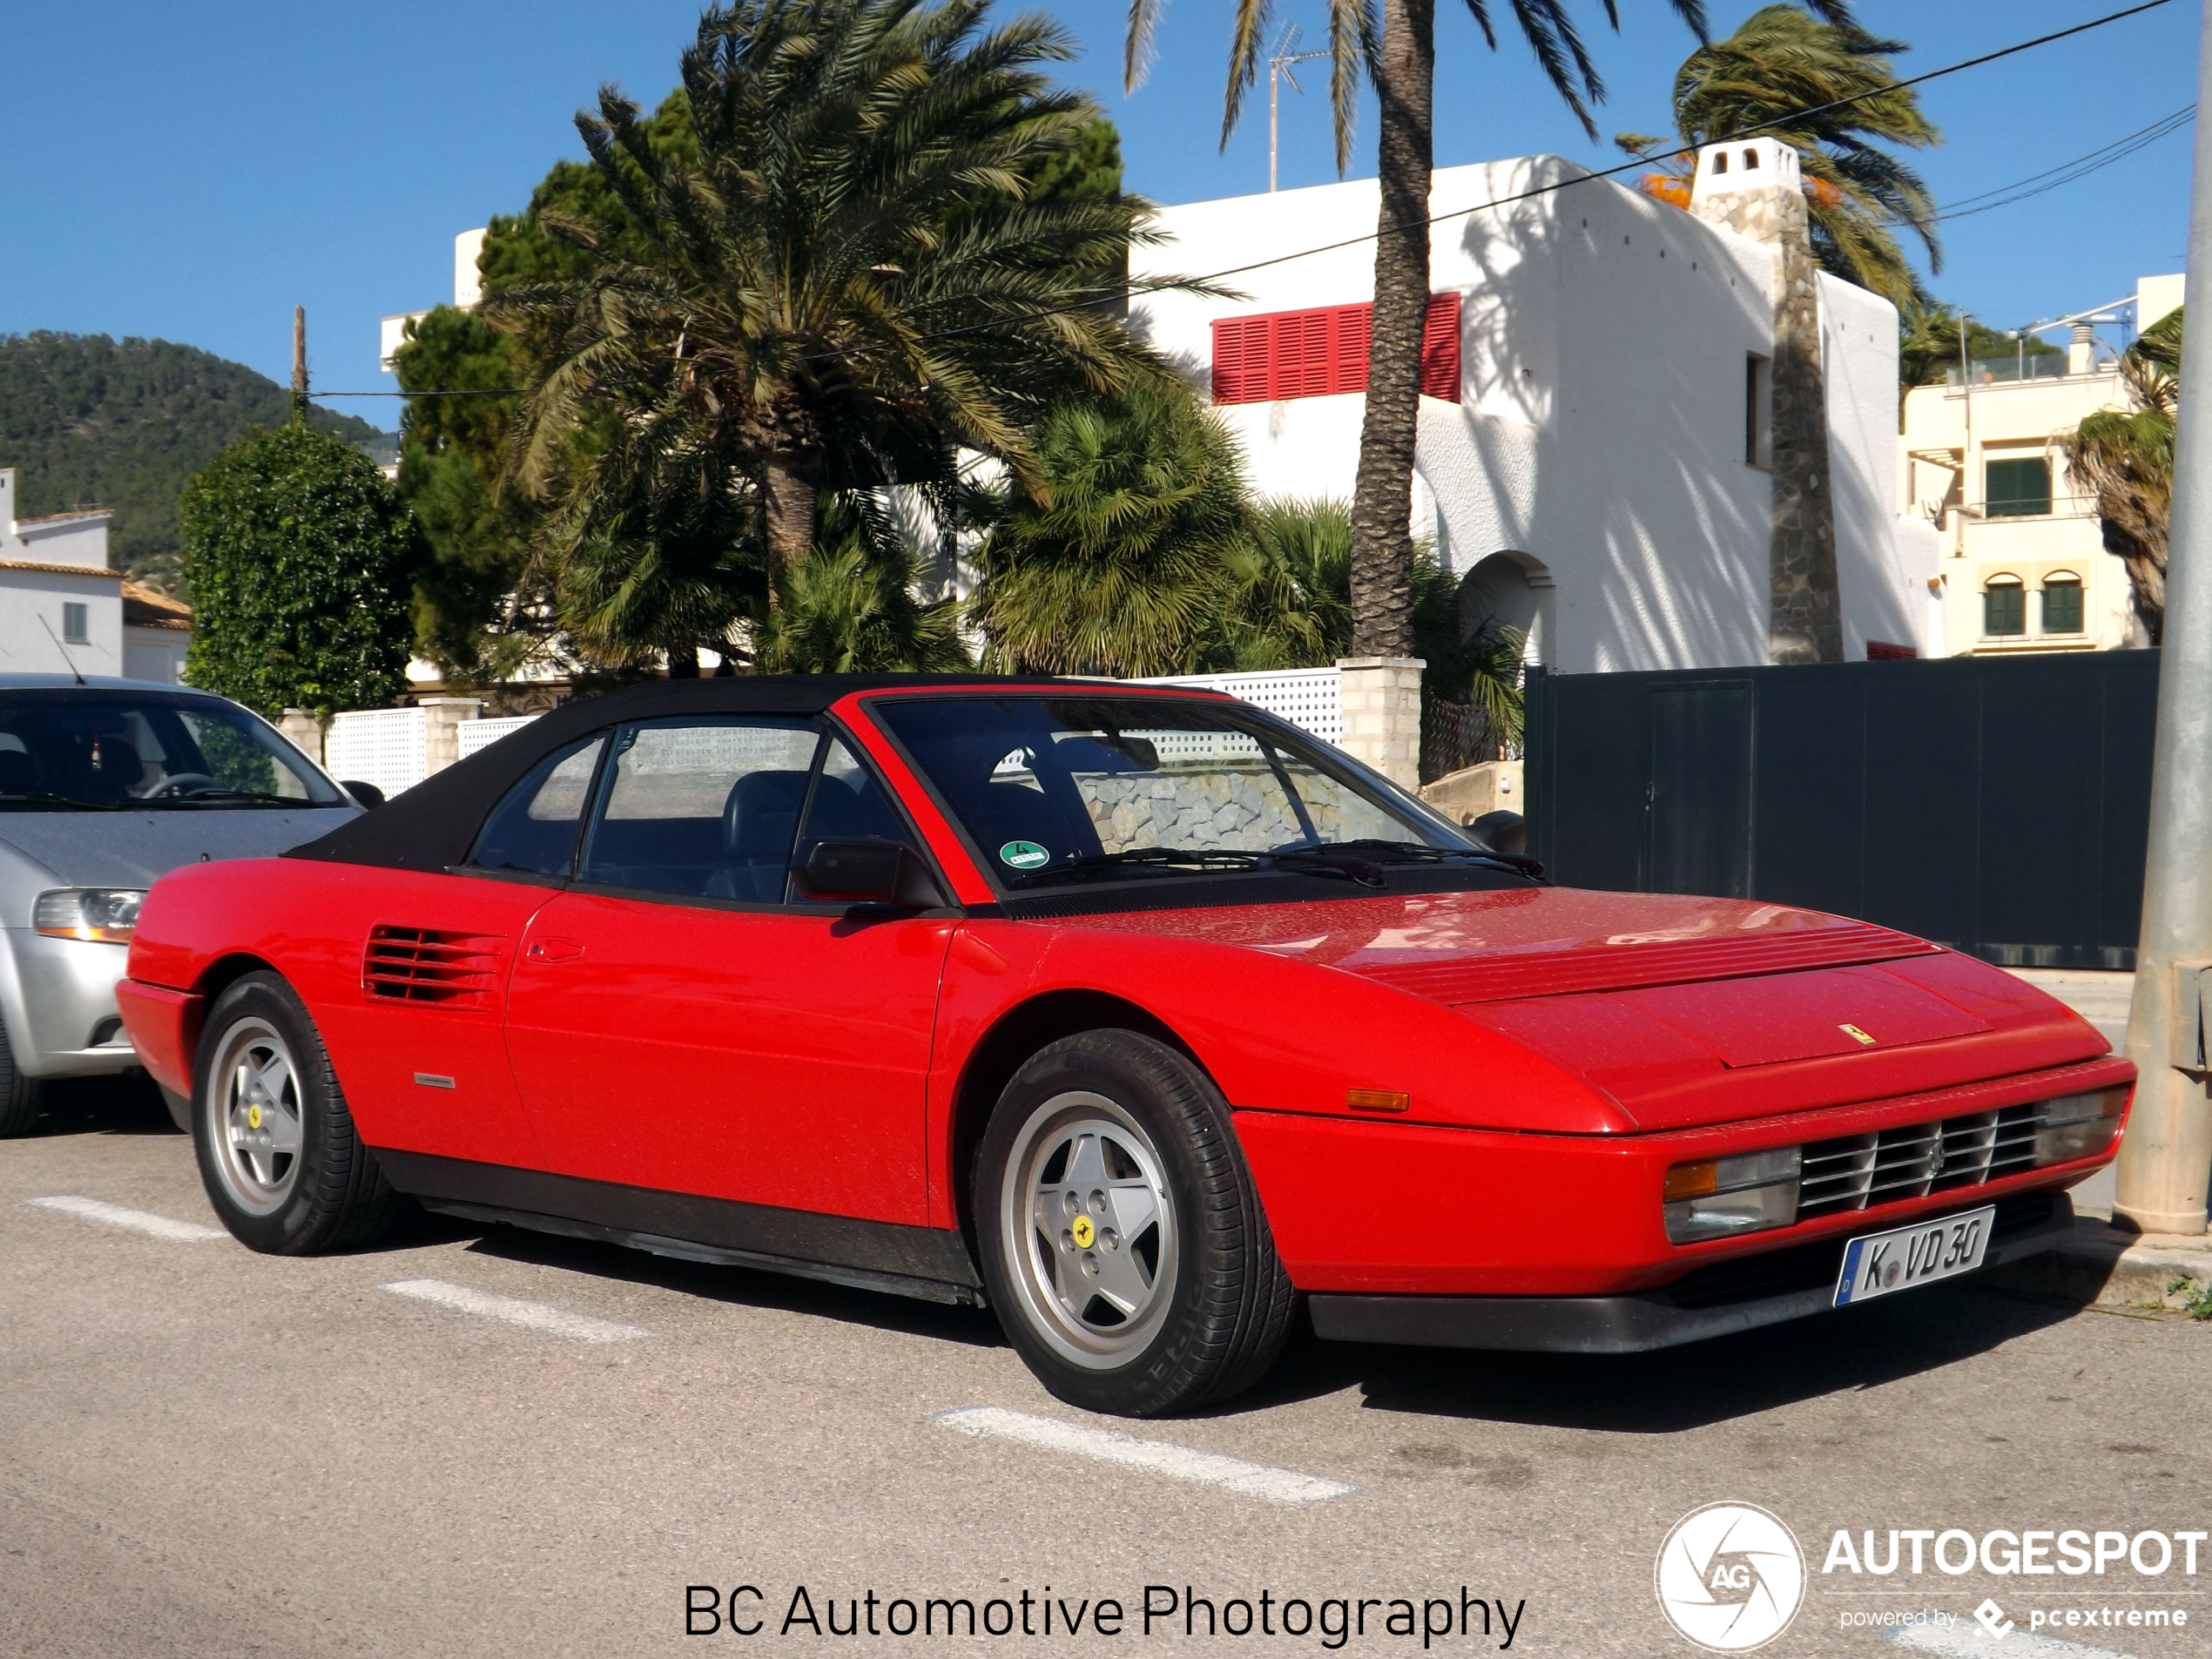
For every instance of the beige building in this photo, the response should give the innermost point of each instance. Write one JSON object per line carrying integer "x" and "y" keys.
{"x": 2021, "y": 564}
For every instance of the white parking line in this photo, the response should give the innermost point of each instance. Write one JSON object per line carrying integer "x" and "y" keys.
{"x": 538, "y": 1316}
{"x": 1970, "y": 1642}
{"x": 1154, "y": 1457}
{"x": 136, "y": 1221}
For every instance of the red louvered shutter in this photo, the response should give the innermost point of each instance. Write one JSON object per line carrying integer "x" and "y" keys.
{"x": 1322, "y": 353}
{"x": 1441, "y": 349}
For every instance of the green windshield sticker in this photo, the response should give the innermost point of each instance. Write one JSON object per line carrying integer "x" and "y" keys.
{"x": 1023, "y": 855}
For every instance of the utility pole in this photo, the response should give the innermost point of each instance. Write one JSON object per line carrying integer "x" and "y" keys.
{"x": 299, "y": 362}
{"x": 2165, "y": 1161}
{"x": 1279, "y": 70}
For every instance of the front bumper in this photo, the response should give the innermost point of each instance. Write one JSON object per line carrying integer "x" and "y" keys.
{"x": 57, "y": 999}
{"x": 1739, "y": 1294}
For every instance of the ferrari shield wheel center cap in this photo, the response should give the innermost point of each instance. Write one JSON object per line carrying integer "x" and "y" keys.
{"x": 1086, "y": 1234}
{"x": 252, "y": 1117}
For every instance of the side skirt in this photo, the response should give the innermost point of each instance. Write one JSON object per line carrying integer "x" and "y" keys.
{"x": 928, "y": 1263}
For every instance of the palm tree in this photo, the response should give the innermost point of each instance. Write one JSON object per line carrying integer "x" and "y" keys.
{"x": 1118, "y": 565}
{"x": 1398, "y": 52}
{"x": 849, "y": 608}
{"x": 2125, "y": 458}
{"x": 836, "y": 280}
{"x": 1784, "y": 60}
{"x": 1286, "y": 598}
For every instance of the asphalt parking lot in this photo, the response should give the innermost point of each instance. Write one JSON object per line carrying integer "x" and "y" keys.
{"x": 536, "y": 1446}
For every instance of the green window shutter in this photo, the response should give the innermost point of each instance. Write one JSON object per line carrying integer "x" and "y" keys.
{"x": 2018, "y": 489}
{"x": 2004, "y": 611}
{"x": 2062, "y": 607}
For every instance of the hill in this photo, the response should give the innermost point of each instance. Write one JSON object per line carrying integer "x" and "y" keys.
{"x": 91, "y": 421}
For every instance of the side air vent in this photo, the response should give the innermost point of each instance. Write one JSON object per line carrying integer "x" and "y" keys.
{"x": 429, "y": 966}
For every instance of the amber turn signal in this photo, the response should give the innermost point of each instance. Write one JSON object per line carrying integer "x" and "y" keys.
{"x": 1692, "y": 1180}
{"x": 1377, "y": 1099}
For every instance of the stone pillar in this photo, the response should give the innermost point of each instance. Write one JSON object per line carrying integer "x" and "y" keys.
{"x": 442, "y": 718}
{"x": 305, "y": 733}
{"x": 1752, "y": 186}
{"x": 1382, "y": 714}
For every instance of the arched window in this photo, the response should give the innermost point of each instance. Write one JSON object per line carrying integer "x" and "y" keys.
{"x": 2062, "y": 603}
{"x": 2004, "y": 608}
{"x": 1720, "y": 161}
{"x": 1751, "y": 161}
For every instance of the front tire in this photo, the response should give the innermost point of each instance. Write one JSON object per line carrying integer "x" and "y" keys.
{"x": 271, "y": 1132}
{"x": 1123, "y": 1242}
{"x": 20, "y": 1096}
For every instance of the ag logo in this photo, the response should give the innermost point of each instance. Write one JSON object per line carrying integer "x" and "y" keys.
{"x": 1023, "y": 855}
{"x": 1731, "y": 1577}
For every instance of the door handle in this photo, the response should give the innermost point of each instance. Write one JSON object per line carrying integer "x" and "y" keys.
{"x": 554, "y": 950}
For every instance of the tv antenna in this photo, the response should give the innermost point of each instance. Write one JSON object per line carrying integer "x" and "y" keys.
{"x": 1281, "y": 67}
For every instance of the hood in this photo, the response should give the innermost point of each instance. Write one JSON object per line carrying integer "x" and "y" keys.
{"x": 130, "y": 849}
{"x": 1684, "y": 1011}
{"x": 1457, "y": 948}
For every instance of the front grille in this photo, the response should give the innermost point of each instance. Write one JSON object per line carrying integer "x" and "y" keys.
{"x": 1857, "y": 1172}
{"x": 1809, "y": 1267}
{"x": 427, "y": 964}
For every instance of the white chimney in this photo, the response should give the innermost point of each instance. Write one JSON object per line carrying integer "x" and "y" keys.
{"x": 468, "y": 285}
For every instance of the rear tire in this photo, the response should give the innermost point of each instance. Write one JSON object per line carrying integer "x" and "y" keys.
{"x": 271, "y": 1132}
{"x": 1123, "y": 1241}
{"x": 20, "y": 1096}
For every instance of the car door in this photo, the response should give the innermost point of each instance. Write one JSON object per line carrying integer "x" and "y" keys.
{"x": 420, "y": 1045}
{"x": 677, "y": 1022}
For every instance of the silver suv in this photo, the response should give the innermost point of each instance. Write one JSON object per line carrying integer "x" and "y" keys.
{"x": 105, "y": 784}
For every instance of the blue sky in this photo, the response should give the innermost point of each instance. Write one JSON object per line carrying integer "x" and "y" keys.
{"x": 192, "y": 171}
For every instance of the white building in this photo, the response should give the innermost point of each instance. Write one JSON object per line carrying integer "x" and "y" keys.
{"x": 2021, "y": 562}
{"x": 467, "y": 291}
{"x": 1595, "y": 453}
{"x": 61, "y": 608}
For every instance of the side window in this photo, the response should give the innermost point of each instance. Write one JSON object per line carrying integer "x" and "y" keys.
{"x": 532, "y": 828}
{"x": 849, "y": 805}
{"x": 702, "y": 808}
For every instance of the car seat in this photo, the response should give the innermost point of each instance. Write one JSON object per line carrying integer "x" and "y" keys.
{"x": 759, "y": 823}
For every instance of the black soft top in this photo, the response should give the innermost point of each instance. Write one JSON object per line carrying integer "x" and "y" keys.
{"x": 432, "y": 826}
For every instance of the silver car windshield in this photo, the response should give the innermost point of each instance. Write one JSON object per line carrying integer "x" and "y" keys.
{"x": 95, "y": 749}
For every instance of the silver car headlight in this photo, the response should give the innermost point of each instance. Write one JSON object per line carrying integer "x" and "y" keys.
{"x": 103, "y": 915}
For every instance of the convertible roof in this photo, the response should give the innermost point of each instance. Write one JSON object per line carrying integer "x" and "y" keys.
{"x": 432, "y": 826}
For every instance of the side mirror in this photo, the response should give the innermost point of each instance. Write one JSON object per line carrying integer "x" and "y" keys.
{"x": 368, "y": 797}
{"x": 867, "y": 873}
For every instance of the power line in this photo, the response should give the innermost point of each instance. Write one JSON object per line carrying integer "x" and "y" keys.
{"x": 2080, "y": 168}
{"x": 1139, "y": 289}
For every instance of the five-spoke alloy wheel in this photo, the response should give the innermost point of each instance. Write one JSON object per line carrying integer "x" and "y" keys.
{"x": 1123, "y": 1243}
{"x": 275, "y": 1141}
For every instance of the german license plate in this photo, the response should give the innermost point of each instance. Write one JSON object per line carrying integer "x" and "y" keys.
{"x": 1877, "y": 1264}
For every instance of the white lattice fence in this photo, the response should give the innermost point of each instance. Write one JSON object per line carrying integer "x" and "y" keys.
{"x": 1310, "y": 698}
{"x": 475, "y": 734}
{"x": 381, "y": 746}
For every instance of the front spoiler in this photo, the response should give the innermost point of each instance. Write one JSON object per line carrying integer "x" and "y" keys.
{"x": 2027, "y": 1224}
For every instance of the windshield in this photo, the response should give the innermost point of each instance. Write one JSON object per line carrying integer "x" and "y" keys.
{"x": 95, "y": 749}
{"x": 1054, "y": 789}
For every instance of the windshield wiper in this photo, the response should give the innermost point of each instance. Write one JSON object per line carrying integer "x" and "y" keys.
{"x": 224, "y": 797}
{"x": 1417, "y": 853}
{"x": 48, "y": 797}
{"x": 1195, "y": 861}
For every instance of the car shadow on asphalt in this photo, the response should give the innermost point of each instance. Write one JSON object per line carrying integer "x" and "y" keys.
{"x": 1671, "y": 1389}
{"x": 117, "y": 1105}
{"x": 739, "y": 1286}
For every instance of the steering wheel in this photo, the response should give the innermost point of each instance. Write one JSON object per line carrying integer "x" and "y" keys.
{"x": 182, "y": 783}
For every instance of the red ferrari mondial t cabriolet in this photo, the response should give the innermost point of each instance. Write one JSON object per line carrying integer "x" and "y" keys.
{"x": 1136, "y": 1014}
